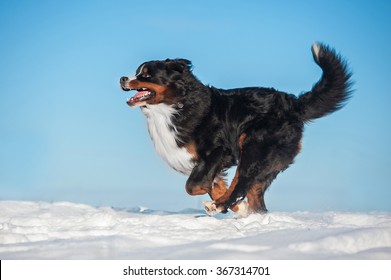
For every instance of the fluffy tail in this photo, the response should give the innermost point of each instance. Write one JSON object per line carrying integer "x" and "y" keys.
{"x": 332, "y": 91}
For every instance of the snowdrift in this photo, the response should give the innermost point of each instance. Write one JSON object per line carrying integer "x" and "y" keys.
{"x": 64, "y": 230}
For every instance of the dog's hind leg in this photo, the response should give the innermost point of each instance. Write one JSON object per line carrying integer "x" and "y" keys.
{"x": 258, "y": 166}
{"x": 222, "y": 193}
{"x": 255, "y": 195}
{"x": 241, "y": 207}
{"x": 203, "y": 180}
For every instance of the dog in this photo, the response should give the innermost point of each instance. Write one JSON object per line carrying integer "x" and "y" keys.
{"x": 201, "y": 131}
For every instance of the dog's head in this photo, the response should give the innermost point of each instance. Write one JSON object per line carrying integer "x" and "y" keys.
{"x": 157, "y": 82}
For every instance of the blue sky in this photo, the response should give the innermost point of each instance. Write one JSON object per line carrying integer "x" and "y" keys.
{"x": 66, "y": 132}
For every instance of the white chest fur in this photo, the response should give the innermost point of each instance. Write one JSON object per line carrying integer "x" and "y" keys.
{"x": 164, "y": 137}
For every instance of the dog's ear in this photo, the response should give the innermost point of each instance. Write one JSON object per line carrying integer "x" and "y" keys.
{"x": 179, "y": 65}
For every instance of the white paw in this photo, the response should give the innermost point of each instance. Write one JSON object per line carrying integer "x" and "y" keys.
{"x": 243, "y": 209}
{"x": 210, "y": 208}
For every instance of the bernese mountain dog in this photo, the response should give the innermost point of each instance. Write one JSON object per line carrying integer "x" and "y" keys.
{"x": 201, "y": 131}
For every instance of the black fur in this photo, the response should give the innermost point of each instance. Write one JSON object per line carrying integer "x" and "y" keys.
{"x": 271, "y": 123}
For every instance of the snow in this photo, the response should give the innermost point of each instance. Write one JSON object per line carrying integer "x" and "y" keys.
{"x": 65, "y": 230}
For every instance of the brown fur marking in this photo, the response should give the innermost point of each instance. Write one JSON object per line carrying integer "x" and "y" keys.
{"x": 218, "y": 190}
{"x": 191, "y": 149}
{"x": 234, "y": 182}
{"x": 253, "y": 196}
{"x": 197, "y": 190}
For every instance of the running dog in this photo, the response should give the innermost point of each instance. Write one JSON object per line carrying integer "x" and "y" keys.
{"x": 201, "y": 131}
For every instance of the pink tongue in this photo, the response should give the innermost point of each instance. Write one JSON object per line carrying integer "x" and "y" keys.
{"x": 140, "y": 94}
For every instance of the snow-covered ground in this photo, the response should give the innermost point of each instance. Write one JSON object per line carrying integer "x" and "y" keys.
{"x": 64, "y": 230}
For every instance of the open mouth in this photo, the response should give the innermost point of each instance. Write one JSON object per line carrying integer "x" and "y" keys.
{"x": 142, "y": 94}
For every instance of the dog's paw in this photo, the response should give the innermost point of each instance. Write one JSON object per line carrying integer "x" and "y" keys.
{"x": 210, "y": 208}
{"x": 243, "y": 209}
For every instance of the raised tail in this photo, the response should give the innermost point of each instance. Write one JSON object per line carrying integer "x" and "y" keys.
{"x": 332, "y": 91}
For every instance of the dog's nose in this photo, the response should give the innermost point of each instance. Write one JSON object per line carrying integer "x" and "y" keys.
{"x": 124, "y": 79}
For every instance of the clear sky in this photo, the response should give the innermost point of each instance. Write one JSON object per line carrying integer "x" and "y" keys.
{"x": 66, "y": 132}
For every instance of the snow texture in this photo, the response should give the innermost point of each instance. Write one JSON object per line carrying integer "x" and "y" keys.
{"x": 64, "y": 230}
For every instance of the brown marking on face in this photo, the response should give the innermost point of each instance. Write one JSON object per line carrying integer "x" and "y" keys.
{"x": 158, "y": 89}
{"x": 162, "y": 94}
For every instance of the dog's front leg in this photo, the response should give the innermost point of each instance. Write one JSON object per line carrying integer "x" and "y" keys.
{"x": 202, "y": 176}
